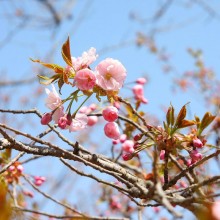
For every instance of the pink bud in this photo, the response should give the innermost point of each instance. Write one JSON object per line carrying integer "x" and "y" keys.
{"x": 137, "y": 137}
{"x": 11, "y": 168}
{"x": 39, "y": 180}
{"x": 29, "y": 193}
{"x": 110, "y": 113}
{"x": 128, "y": 146}
{"x": 162, "y": 154}
{"x": 127, "y": 156}
{"x": 123, "y": 138}
{"x": 189, "y": 162}
{"x": 20, "y": 168}
{"x": 92, "y": 120}
{"x": 197, "y": 143}
{"x": 141, "y": 81}
{"x": 138, "y": 91}
{"x": 69, "y": 119}
{"x": 111, "y": 130}
{"x": 46, "y": 118}
{"x": 156, "y": 209}
{"x": 93, "y": 107}
{"x": 195, "y": 155}
{"x": 116, "y": 105}
{"x": 115, "y": 141}
{"x": 136, "y": 145}
{"x": 183, "y": 184}
{"x": 144, "y": 100}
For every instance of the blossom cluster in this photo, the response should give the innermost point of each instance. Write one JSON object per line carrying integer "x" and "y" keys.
{"x": 106, "y": 79}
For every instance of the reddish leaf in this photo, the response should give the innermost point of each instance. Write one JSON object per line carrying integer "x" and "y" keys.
{"x": 66, "y": 52}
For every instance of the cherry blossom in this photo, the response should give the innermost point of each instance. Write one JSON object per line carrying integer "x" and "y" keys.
{"x": 85, "y": 60}
{"x": 79, "y": 122}
{"x": 110, "y": 74}
{"x": 92, "y": 120}
{"x": 85, "y": 79}
{"x": 53, "y": 99}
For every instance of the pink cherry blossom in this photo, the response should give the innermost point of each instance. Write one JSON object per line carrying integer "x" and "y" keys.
{"x": 110, "y": 113}
{"x": 111, "y": 130}
{"x": 85, "y": 110}
{"x": 85, "y": 60}
{"x": 92, "y": 120}
{"x": 85, "y": 79}
{"x": 110, "y": 74}
{"x": 58, "y": 114}
{"x": 53, "y": 99}
{"x": 46, "y": 118}
{"x": 79, "y": 122}
{"x": 63, "y": 122}
{"x": 141, "y": 81}
{"x": 197, "y": 143}
{"x": 128, "y": 146}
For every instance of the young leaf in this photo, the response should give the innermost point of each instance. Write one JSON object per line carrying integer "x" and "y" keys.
{"x": 56, "y": 68}
{"x": 170, "y": 115}
{"x": 60, "y": 84}
{"x": 66, "y": 52}
{"x": 47, "y": 80}
{"x": 181, "y": 116}
{"x": 186, "y": 123}
{"x": 206, "y": 121}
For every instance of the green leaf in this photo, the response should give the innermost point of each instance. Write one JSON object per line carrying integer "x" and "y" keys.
{"x": 170, "y": 115}
{"x": 66, "y": 52}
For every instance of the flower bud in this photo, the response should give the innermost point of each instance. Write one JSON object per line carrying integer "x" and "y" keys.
{"x": 162, "y": 154}
{"x": 110, "y": 113}
{"x": 46, "y": 118}
{"x": 128, "y": 146}
{"x": 127, "y": 156}
{"x": 123, "y": 138}
{"x": 197, "y": 143}
{"x": 111, "y": 130}
{"x": 141, "y": 81}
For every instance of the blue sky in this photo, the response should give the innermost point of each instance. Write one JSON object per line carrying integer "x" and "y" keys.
{"x": 104, "y": 24}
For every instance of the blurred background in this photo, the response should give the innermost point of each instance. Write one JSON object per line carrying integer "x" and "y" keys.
{"x": 173, "y": 44}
